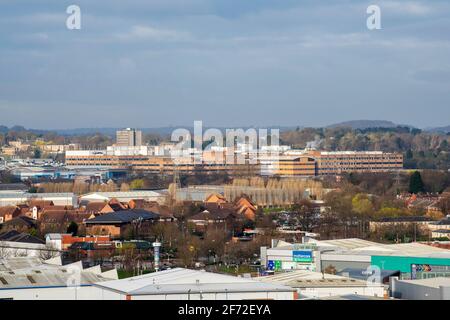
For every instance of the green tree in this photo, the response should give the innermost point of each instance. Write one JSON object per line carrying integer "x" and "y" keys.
{"x": 37, "y": 154}
{"x": 362, "y": 205}
{"x": 409, "y": 154}
{"x": 72, "y": 228}
{"x": 415, "y": 183}
{"x": 137, "y": 184}
{"x": 363, "y": 208}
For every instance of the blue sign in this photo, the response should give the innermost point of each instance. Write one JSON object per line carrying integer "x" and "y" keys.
{"x": 274, "y": 265}
{"x": 302, "y": 256}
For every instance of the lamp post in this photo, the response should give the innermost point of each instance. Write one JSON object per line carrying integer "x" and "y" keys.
{"x": 156, "y": 246}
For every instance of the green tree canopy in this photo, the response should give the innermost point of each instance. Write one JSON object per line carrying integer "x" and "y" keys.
{"x": 72, "y": 228}
{"x": 415, "y": 183}
{"x": 362, "y": 205}
{"x": 137, "y": 184}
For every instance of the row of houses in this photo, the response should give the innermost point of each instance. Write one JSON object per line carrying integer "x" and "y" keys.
{"x": 435, "y": 228}
{"x": 113, "y": 217}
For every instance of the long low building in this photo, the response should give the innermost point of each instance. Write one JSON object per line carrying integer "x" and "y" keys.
{"x": 126, "y": 196}
{"x": 32, "y": 279}
{"x": 319, "y": 163}
{"x": 151, "y": 163}
{"x": 63, "y": 199}
{"x": 410, "y": 260}
{"x": 185, "y": 284}
{"x": 16, "y": 244}
{"x": 319, "y": 285}
{"x": 25, "y": 173}
{"x": 423, "y": 289}
{"x": 288, "y": 163}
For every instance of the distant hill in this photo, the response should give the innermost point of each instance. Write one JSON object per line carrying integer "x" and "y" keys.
{"x": 364, "y": 124}
{"x": 111, "y": 131}
{"x": 439, "y": 129}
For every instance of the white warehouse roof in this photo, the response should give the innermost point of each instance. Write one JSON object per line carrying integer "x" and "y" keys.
{"x": 124, "y": 194}
{"x": 26, "y": 272}
{"x": 180, "y": 280}
{"x": 309, "y": 279}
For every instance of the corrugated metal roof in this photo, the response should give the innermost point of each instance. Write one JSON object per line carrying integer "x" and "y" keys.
{"x": 430, "y": 282}
{"x": 354, "y": 246}
{"x": 309, "y": 279}
{"x": 28, "y": 272}
{"x": 126, "y": 194}
{"x": 181, "y": 280}
{"x": 36, "y": 195}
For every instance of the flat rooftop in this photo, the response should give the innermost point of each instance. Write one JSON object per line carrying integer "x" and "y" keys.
{"x": 430, "y": 282}
{"x": 354, "y": 246}
{"x": 180, "y": 280}
{"x": 310, "y": 279}
{"x": 27, "y": 272}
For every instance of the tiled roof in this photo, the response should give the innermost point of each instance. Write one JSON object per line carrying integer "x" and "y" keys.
{"x": 15, "y": 236}
{"x": 123, "y": 216}
{"x": 30, "y": 222}
{"x": 63, "y": 216}
{"x": 211, "y": 215}
{"x": 95, "y": 206}
{"x": 9, "y": 210}
{"x": 405, "y": 219}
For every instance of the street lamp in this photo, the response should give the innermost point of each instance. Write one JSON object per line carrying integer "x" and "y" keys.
{"x": 156, "y": 246}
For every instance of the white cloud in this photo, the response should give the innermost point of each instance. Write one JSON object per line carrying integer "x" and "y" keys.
{"x": 140, "y": 32}
{"x": 42, "y": 18}
{"x": 408, "y": 7}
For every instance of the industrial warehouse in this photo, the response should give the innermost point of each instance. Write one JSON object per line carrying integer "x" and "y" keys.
{"x": 407, "y": 260}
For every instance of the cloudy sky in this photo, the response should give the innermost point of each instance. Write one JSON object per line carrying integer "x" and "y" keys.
{"x": 153, "y": 63}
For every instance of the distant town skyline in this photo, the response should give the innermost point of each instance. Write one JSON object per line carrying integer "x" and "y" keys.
{"x": 229, "y": 63}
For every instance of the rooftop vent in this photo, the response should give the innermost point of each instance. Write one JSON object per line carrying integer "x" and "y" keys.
{"x": 31, "y": 279}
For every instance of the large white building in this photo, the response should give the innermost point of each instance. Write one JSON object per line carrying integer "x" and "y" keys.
{"x": 63, "y": 199}
{"x": 319, "y": 285}
{"x": 185, "y": 284}
{"x": 126, "y": 196}
{"x": 409, "y": 260}
{"x": 423, "y": 289}
{"x": 32, "y": 279}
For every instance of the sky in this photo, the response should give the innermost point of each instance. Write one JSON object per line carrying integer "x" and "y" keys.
{"x": 229, "y": 63}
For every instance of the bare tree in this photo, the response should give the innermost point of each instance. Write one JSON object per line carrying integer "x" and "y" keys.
{"x": 5, "y": 252}
{"x": 49, "y": 252}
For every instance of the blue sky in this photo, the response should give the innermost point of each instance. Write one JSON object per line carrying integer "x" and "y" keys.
{"x": 152, "y": 63}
